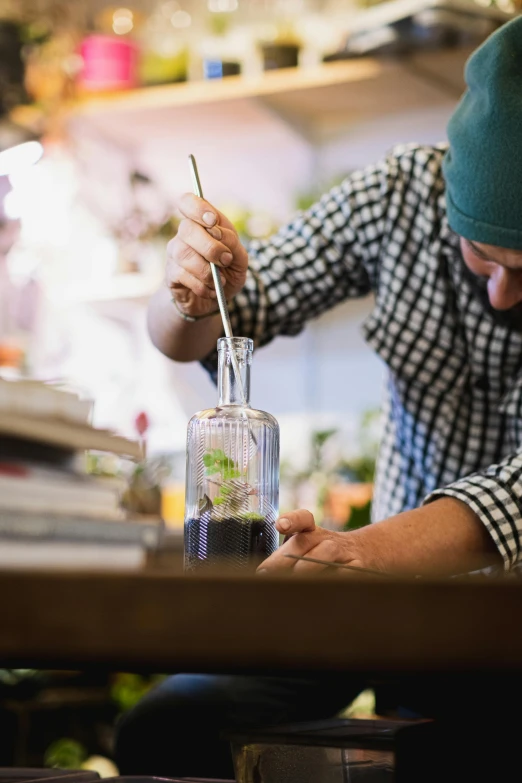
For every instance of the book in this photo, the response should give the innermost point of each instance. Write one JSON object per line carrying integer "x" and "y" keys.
{"x": 45, "y": 489}
{"x": 147, "y": 533}
{"x": 67, "y": 556}
{"x": 69, "y": 435}
{"x": 45, "y": 413}
{"x": 44, "y": 400}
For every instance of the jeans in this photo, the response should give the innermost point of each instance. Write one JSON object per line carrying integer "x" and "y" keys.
{"x": 175, "y": 731}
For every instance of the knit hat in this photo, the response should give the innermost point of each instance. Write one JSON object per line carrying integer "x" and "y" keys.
{"x": 483, "y": 166}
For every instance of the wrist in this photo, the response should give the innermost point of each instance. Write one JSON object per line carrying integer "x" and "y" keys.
{"x": 192, "y": 318}
{"x": 363, "y": 546}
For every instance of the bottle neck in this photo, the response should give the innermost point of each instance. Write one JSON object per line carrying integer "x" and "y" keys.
{"x": 234, "y": 360}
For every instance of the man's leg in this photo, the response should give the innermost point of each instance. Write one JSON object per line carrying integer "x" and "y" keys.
{"x": 175, "y": 730}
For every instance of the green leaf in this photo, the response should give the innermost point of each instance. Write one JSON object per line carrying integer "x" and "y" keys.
{"x": 219, "y": 501}
{"x": 231, "y": 473}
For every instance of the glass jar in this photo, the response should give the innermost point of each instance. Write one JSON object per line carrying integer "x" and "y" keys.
{"x": 232, "y": 479}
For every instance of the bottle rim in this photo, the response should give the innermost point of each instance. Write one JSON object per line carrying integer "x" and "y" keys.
{"x": 236, "y": 343}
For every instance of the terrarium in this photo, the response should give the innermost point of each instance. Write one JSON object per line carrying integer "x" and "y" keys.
{"x": 232, "y": 480}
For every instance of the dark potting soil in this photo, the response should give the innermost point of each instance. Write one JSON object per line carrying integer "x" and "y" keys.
{"x": 240, "y": 543}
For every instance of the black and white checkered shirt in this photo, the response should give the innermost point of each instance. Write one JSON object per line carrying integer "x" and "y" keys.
{"x": 453, "y": 407}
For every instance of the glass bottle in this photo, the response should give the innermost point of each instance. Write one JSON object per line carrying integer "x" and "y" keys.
{"x": 232, "y": 480}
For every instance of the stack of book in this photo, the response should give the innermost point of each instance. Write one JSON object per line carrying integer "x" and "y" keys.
{"x": 52, "y": 513}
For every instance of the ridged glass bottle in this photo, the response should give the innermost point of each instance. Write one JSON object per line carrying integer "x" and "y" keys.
{"x": 232, "y": 480}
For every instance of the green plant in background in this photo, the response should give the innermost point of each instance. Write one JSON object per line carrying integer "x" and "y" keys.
{"x": 159, "y": 68}
{"x": 320, "y": 476}
{"x": 68, "y": 753}
{"x": 360, "y": 516}
{"x": 143, "y": 493}
{"x": 314, "y": 472}
{"x": 219, "y": 23}
{"x": 319, "y": 439}
{"x": 362, "y": 467}
{"x": 128, "y": 689}
{"x": 65, "y": 753}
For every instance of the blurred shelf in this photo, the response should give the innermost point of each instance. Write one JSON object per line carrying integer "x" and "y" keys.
{"x": 317, "y": 102}
{"x": 227, "y": 89}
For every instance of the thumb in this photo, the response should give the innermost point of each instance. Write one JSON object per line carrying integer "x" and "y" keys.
{"x": 300, "y": 521}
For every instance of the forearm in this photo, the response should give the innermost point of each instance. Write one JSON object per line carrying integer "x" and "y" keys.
{"x": 180, "y": 340}
{"x": 442, "y": 538}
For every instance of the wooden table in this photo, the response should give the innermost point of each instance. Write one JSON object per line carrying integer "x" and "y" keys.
{"x": 169, "y": 622}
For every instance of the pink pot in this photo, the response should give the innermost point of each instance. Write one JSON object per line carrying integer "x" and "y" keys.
{"x": 109, "y": 63}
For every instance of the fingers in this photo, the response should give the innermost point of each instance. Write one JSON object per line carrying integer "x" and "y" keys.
{"x": 327, "y": 549}
{"x": 197, "y": 209}
{"x": 202, "y": 212}
{"x": 229, "y": 237}
{"x": 190, "y": 270}
{"x": 209, "y": 247}
{"x": 204, "y": 237}
{"x": 300, "y": 544}
{"x": 300, "y": 521}
{"x": 302, "y": 524}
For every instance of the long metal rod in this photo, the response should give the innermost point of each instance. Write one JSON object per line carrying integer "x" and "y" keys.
{"x": 222, "y": 302}
{"x": 338, "y": 565}
{"x": 371, "y": 571}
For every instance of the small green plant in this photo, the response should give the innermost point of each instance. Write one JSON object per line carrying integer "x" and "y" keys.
{"x": 232, "y": 495}
{"x": 216, "y": 461}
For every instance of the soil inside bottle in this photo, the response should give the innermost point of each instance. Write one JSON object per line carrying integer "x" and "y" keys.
{"x": 235, "y": 542}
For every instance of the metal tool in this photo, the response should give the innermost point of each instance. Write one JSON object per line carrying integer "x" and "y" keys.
{"x": 339, "y": 565}
{"x": 222, "y": 302}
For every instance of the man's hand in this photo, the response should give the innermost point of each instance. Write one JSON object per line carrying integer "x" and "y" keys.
{"x": 443, "y": 538}
{"x": 311, "y": 541}
{"x": 205, "y": 235}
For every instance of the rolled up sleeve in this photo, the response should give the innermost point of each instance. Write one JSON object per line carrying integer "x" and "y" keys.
{"x": 495, "y": 495}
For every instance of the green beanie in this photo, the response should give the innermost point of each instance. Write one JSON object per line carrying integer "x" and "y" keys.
{"x": 483, "y": 166}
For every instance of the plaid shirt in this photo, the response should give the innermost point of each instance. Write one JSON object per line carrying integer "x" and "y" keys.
{"x": 453, "y": 404}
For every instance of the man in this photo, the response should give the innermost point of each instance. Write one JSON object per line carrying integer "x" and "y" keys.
{"x": 436, "y": 235}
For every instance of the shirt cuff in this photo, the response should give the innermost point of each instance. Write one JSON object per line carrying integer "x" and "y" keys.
{"x": 496, "y": 507}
